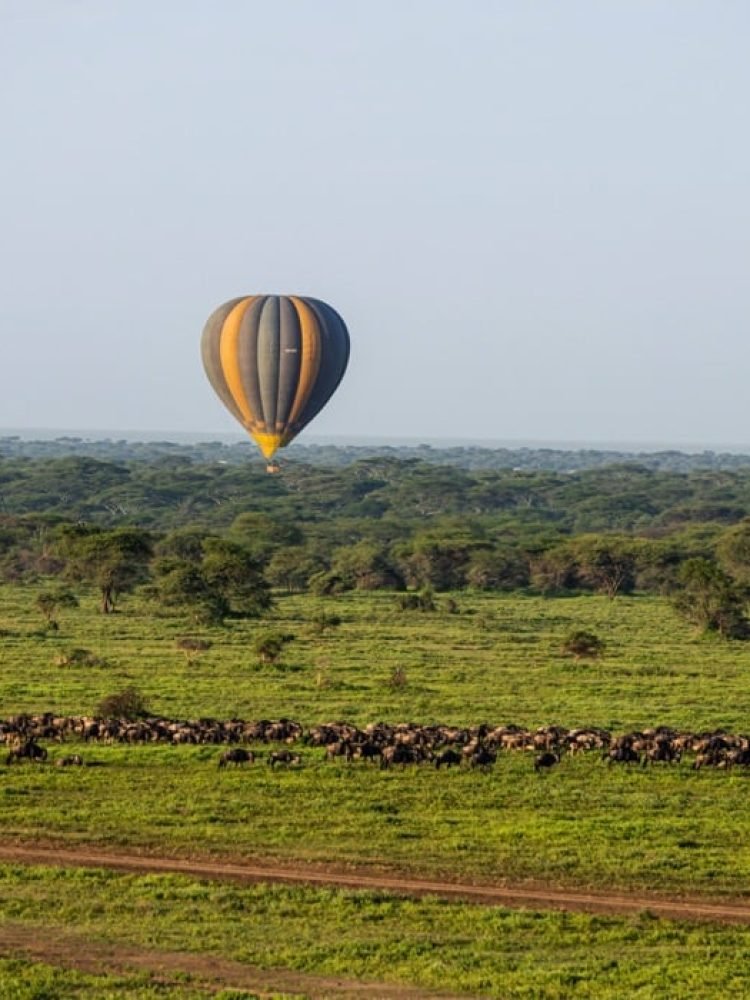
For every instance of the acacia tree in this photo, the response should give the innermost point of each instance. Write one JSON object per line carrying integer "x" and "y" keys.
{"x": 232, "y": 571}
{"x": 49, "y": 602}
{"x": 710, "y": 599}
{"x": 262, "y": 534}
{"x": 217, "y": 579}
{"x": 183, "y": 585}
{"x": 554, "y": 570}
{"x": 733, "y": 551}
{"x": 436, "y": 563}
{"x": 498, "y": 569}
{"x": 291, "y": 568}
{"x": 113, "y": 561}
{"x": 366, "y": 566}
{"x": 606, "y": 563}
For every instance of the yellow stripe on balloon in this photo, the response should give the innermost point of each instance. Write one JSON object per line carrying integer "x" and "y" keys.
{"x": 269, "y": 444}
{"x": 310, "y": 357}
{"x": 230, "y": 365}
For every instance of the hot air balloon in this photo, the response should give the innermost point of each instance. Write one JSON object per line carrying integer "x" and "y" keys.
{"x": 274, "y": 361}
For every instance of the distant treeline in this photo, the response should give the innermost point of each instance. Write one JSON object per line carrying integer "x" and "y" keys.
{"x": 385, "y": 498}
{"x": 221, "y": 533}
{"x": 471, "y": 457}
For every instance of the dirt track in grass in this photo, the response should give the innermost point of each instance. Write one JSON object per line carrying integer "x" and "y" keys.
{"x": 65, "y": 949}
{"x": 253, "y": 871}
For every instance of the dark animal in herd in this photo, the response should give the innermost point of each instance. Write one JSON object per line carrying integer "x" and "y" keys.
{"x": 28, "y": 750}
{"x": 447, "y": 758}
{"x": 71, "y": 760}
{"x": 285, "y": 757}
{"x": 402, "y": 744}
{"x": 546, "y": 760}
{"x": 236, "y": 756}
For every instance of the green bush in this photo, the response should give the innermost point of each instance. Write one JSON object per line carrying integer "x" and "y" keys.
{"x": 126, "y": 704}
{"x": 583, "y": 645}
{"x": 269, "y": 645}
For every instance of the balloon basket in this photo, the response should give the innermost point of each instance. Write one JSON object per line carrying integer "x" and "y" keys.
{"x": 272, "y": 468}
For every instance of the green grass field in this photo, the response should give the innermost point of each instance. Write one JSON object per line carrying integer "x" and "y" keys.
{"x": 482, "y": 951}
{"x": 499, "y": 660}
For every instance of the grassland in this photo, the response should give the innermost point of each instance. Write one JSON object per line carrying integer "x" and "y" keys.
{"x": 499, "y": 660}
{"x": 371, "y": 936}
{"x": 24, "y": 980}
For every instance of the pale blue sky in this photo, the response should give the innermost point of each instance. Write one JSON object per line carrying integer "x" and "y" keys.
{"x": 534, "y": 217}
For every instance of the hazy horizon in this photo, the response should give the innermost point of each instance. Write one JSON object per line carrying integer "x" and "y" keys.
{"x": 363, "y": 440}
{"x": 534, "y": 219}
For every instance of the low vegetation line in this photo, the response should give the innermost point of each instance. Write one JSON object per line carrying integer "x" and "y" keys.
{"x": 525, "y": 897}
{"x": 207, "y": 973}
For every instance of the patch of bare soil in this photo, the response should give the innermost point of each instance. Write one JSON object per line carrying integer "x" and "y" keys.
{"x": 251, "y": 872}
{"x": 65, "y": 949}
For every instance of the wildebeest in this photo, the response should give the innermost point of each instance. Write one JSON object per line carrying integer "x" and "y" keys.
{"x": 28, "y": 750}
{"x": 283, "y": 757}
{"x": 367, "y": 751}
{"x": 71, "y": 760}
{"x": 447, "y": 758}
{"x": 341, "y": 748}
{"x": 711, "y": 758}
{"x": 482, "y": 758}
{"x": 661, "y": 752}
{"x": 546, "y": 759}
{"x": 403, "y": 753}
{"x": 236, "y": 756}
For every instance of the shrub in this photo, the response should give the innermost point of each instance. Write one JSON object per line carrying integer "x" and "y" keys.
{"x": 323, "y": 622}
{"x": 192, "y": 647}
{"x": 422, "y": 601}
{"x": 78, "y": 658}
{"x": 583, "y": 645}
{"x": 49, "y": 602}
{"x": 398, "y": 678}
{"x": 126, "y": 704}
{"x": 327, "y": 584}
{"x": 269, "y": 645}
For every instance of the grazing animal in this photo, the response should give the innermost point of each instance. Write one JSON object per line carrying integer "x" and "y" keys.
{"x": 28, "y": 750}
{"x": 711, "y": 758}
{"x": 368, "y": 751}
{"x": 447, "y": 758}
{"x": 236, "y": 756}
{"x": 285, "y": 757}
{"x": 547, "y": 759}
{"x": 482, "y": 758}
{"x": 342, "y": 748}
{"x": 662, "y": 753}
{"x": 71, "y": 760}
{"x": 398, "y": 753}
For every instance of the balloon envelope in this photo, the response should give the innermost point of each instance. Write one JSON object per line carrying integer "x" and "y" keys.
{"x": 275, "y": 361}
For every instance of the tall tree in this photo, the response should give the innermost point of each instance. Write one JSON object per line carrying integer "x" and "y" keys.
{"x": 606, "y": 563}
{"x": 113, "y": 561}
{"x": 709, "y": 598}
{"x": 733, "y": 551}
{"x": 225, "y": 579}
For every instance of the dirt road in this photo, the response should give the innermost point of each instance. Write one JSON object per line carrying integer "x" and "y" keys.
{"x": 254, "y": 871}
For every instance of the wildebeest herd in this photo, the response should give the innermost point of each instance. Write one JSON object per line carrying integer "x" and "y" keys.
{"x": 380, "y": 743}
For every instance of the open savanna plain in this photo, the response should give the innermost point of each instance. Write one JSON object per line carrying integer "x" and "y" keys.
{"x": 657, "y": 833}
